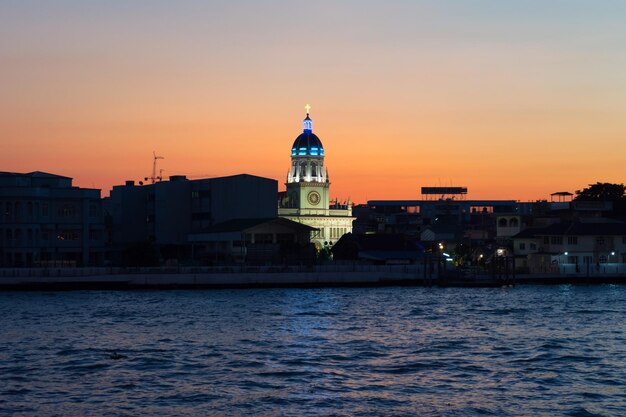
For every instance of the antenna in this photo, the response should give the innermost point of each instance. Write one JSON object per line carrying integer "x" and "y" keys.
{"x": 154, "y": 177}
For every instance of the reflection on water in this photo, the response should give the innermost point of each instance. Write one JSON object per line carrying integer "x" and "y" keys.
{"x": 297, "y": 352}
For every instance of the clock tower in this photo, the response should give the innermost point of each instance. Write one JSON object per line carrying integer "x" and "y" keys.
{"x": 307, "y": 198}
{"x": 307, "y": 180}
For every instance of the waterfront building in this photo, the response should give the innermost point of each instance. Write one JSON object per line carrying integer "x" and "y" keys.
{"x": 46, "y": 221}
{"x": 167, "y": 212}
{"x": 307, "y": 196}
{"x": 254, "y": 241}
{"x": 580, "y": 245}
{"x": 381, "y": 249}
{"x": 572, "y": 237}
{"x": 449, "y": 219}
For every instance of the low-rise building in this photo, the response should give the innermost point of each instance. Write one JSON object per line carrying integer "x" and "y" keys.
{"x": 254, "y": 241}
{"x": 571, "y": 246}
{"x": 46, "y": 221}
{"x": 386, "y": 249}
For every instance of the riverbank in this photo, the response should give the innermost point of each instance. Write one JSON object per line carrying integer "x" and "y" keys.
{"x": 261, "y": 277}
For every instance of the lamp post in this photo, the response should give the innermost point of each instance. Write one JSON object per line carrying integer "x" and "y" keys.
{"x": 609, "y": 257}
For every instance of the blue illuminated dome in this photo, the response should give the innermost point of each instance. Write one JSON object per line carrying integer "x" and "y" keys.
{"x": 307, "y": 144}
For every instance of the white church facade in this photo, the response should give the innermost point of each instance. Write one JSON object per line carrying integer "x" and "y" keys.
{"x": 307, "y": 198}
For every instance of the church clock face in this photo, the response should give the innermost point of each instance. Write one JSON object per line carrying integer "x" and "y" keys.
{"x": 314, "y": 198}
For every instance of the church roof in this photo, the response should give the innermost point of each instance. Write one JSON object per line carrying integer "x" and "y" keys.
{"x": 307, "y": 144}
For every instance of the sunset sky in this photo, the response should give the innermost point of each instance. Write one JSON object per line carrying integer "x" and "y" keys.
{"x": 513, "y": 99}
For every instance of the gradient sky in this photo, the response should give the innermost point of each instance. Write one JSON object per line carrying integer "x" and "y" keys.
{"x": 513, "y": 99}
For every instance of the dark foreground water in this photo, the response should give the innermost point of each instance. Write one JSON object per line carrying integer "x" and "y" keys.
{"x": 297, "y": 352}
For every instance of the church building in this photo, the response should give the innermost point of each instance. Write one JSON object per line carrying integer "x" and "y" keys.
{"x": 307, "y": 198}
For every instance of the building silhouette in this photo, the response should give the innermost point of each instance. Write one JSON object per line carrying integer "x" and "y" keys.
{"x": 167, "y": 212}
{"x": 46, "y": 221}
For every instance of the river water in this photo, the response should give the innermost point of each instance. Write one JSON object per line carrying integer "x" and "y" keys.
{"x": 522, "y": 351}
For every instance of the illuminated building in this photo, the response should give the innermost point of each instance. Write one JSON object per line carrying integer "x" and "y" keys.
{"x": 307, "y": 198}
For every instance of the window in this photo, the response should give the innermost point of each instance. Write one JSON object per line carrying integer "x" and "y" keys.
{"x": 599, "y": 241}
{"x": 546, "y": 240}
{"x": 556, "y": 240}
{"x": 502, "y": 222}
{"x": 67, "y": 210}
{"x": 533, "y": 246}
{"x": 513, "y": 222}
{"x": 67, "y": 235}
{"x": 572, "y": 240}
{"x": 624, "y": 258}
{"x": 44, "y": 209}
{"x": 587, "y": 259}
{"x": 522, "y": 246}
{"x": 603, "y": 259}
{"x": 572, "y": 260}
{"x": 93, "y": 210}
{"x": 624, "y": 240}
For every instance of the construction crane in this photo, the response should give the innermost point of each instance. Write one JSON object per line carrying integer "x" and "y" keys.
{"x": 154, "y": 177}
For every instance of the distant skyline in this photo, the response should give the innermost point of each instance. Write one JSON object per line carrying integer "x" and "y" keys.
{"x": 514, "y": 100}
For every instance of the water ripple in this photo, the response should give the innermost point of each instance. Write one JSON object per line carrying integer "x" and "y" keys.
{"x": 541, "y": 351}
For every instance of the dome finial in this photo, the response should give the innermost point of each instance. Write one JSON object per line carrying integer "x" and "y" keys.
{"x": 307, "y": 124}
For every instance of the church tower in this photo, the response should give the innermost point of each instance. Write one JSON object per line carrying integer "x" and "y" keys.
{"x": 307, "y": 199}
{"x": 307, "y": 180}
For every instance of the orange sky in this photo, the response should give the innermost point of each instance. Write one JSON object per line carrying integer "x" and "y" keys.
{"x": 514, "y": 102}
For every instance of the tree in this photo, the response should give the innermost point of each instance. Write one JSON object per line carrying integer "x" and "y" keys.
{"x": 602, "y": 191}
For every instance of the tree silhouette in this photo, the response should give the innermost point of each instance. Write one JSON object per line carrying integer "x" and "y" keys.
{"x": 602, "y": 191}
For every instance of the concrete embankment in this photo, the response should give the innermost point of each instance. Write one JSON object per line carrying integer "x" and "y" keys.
{"x": 214, "y": 278}
{"x": 258, "y": 277}
{"x": 580, "y": 279}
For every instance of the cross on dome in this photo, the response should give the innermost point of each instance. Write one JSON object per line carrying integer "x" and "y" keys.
{"x": 307, "y": 124}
